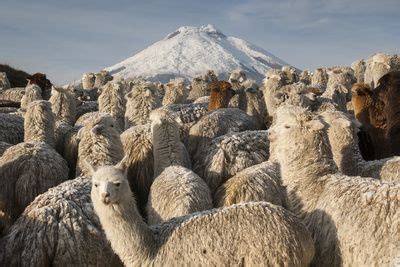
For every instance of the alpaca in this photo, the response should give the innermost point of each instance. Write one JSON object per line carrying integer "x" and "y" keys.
{"x": 199, "y": 88}
{"x": 112, "y": 101}
{"x": 305, "y": 77}
{"x": 168, "y": 149}
{"x": 278, "y": 90}
{"x": 251, "y": 101}
{"x": 344, "y": 76}
{"x": 27, "y": 170}
{"x": 353, "y": 220}
{"x": 221, "y": 94}
{"x": 186, "y": 115}
{"x": 175, "y": 92}
{"x": 388, "y": 91}
{"x": 88, "y": 80}
{"x": 246, "y": 234}
{"x": 379, "y": 64}
{"x": 359, "y": 67}
{"x": 260, "y": 182}
{"x": 346, "y": 153}
{"x": 102, "y": 78}
{"x": 32, "y": 93}
{"x": 99, "y": 143}
{"x": 177, "y": 191}
{"x": 4, "y": 82}
{"x": 210, "y": 76}
{"x": 11, "y": 128}
{"x": 59, "y": 228}
{"x": 139, "y": 103}
{"x": 30, "y": 168}
{"x": 85, "y": 107}
{"x": 369, "y": 111}
{"x": 214, "y": 124}
{"x": 41, "y": 80}
{"x": 139, "y": 161}
{"x": 291, "y": 74}
{"x": 236, "y": 78}
{"x": 39, "y": 123}
{"x": 63, "y": 104}
{"x": 337, "y": 94}
{"x": 13, "y": 95}
{"x": 229, "y": 154}
{"x": 319, "y": 79}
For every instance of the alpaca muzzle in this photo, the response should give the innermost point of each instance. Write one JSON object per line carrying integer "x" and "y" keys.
{"x": 105, "y": 198}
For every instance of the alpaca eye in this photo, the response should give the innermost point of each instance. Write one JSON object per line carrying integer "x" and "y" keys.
{"x": 287, "y": 126}
{"x": 117, "y": 184}
{"x": 96, "y": 185}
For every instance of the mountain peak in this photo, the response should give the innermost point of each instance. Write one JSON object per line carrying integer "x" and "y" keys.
{"x": 191, "y": 51}
{"x": 185, "y": 30}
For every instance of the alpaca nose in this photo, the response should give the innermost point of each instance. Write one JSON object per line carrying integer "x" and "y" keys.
{"x": 105, "y": 194}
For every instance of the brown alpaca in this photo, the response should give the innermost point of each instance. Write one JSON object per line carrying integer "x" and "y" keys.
{"x": 221, "y": 93}
{"x": 41, "y": 80}
{"x": 369, "y": 110}
{"x": 388, "y": 91}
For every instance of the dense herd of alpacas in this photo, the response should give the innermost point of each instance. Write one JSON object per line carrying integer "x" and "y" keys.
{"x": 300, "y": 170}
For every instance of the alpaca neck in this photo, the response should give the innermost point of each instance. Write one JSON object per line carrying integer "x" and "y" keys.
{"x": 166, "y": 146}
{"x": 217, "y": 100}
{"x": 303, "y": 175}
{"x": 130, "y": 237}
{"x": 346, "y": 152}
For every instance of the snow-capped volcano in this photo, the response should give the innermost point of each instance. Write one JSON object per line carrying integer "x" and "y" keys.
{"x": 191, "y": 51}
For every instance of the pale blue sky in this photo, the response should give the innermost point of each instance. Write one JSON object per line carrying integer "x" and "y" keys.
{"x": 66, "y": 38}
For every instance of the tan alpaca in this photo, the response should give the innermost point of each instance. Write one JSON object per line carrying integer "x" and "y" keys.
{"x": 256, "y": 233}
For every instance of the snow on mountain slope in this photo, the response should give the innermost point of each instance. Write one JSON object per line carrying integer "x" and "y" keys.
{"x": 191, "y": 51}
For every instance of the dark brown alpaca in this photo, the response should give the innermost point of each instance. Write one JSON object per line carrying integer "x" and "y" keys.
{"x": 221, "y": 94}
{"x": 41, "y": 80}
{"x": 388, "y": 91}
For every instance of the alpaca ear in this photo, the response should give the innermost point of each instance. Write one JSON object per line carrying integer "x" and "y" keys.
{"x": 89, "y": 166}
{"x": 96, "y": 129}
{"x": 148, "y": 92}
{"x": 122, "y": 166}
{"x": 342, "y": 122}
{"x": 314, "y": 125}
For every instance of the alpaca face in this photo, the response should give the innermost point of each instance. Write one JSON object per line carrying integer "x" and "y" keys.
{"x": 109, "y": 185}
{"x": 294, "y": 128}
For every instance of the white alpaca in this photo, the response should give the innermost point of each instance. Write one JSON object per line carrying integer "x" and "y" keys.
{"x": 354, "y": 220}
{"x": 177, "y": 191}
{"x": 255, "y": 233}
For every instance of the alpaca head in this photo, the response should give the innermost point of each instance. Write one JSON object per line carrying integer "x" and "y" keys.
{"x": 361, "y": 97}
{"x": 296, "y": 132}
{"x": 221, "y": 94}
{"x": 109, "y": 184}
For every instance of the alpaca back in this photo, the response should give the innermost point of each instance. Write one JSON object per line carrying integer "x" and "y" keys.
{"x": 175, "y": 92}
{"x": 11, "y": 128}
{"x": 28, "y": 169}
{"x": 175, "y": 192}
{"x": 63, "y": 104}
{"x": 100, "y": 144}
{"x": 32, "y": 93}
{"x": 139, "y": 161}
{"x": 112, "y": 101}
{"x": 62, "y": 229}
{"x": 141, "y": 101}
{"x": 168, "y": 149}
{"x": 39, "y": 123}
